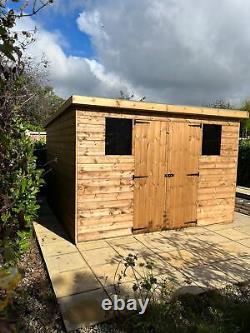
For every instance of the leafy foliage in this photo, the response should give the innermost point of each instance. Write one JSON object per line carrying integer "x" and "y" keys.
{"x": 243, "y": 177}
{"x": 245, "y": 123}
{"x": 20, "y": 184}
{"x": 221, "y": 104}
{"x": 20, "y": 180}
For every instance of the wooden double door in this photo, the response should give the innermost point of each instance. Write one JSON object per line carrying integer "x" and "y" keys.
{"x": 166, "y": 174}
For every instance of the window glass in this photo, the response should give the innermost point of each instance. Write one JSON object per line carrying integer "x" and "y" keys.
{"x": 211, "y": 139}
{"x": 118, "y": 136}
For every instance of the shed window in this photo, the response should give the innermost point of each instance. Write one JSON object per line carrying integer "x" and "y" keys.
{"x": 211, "y": 140}
{"x": 118, "y": 136}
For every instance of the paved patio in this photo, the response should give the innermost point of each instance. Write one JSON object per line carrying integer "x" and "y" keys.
{"x": 82, "y": 276}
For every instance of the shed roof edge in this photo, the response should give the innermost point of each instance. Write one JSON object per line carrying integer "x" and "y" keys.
{"x": 149, "y": 107}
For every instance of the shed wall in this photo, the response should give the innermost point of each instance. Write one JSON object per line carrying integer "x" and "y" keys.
{"x": 105, "y": 185}
{"x": 62, "y": 161}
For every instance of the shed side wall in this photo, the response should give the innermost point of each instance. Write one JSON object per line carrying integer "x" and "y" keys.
{"x": 61, "y": 178}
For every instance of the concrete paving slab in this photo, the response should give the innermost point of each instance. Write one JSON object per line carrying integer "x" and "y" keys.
{"x": 218, "y": 226}
{"x": 213, "y": 238}
{"x": 74, "y": 282}
{"x": 121, "y": 240}
{"x": 245, "y": 242}
{"x": 245, "y": 229}
{"x": 241, "y": 219}
{"x": 177, "y": 259}
{"x": 65, "y": 262}
{"x": 136, "y": 248}
{"x": 235, "y": 249}
{"x": 237, "y": 269}
{"x": 158, "y": 245}
{"x": 79, "y": 311}
{"x": 232, "y": 234}
{"x": 109, "y": 274}
{"x": 208, "y": 276}
{"x": 58, "y": 247}
{"x": 85, "y": 246}
{"x": 100, "y": 256}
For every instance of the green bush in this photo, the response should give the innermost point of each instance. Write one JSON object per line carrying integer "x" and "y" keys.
{"x": 243, "y": 177}
{"x": 20, "y": 181}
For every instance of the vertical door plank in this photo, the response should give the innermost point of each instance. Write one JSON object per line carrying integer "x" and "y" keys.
{"x": 183, "y": 149}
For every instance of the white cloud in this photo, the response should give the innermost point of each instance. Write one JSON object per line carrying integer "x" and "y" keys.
{"x": 188, "y": 52}
{"x": 175, "y": 51}
{"x": 71, "y": 75}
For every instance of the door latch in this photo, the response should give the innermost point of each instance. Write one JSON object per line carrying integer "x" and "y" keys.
{"x": 135, "y": 177}
{"x": 169, "y": 175}
{"x": 193, "y": 174}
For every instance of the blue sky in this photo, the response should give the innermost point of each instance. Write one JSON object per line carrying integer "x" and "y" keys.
{"x": 78, "y": 43}
{"x": 176, "y": 52}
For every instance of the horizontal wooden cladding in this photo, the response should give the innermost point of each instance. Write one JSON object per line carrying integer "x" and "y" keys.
{"x": 96, "y": 220}
{"x": 88, "y": 136}
{"x": 90, "y": 144}
{"x": 105, "y": 174}
{"x": 83, "y": 213}
{"x": 216, "y": 202}
{"x": 91, "y": 151}
{"x": 105, "y": 196}
{"x": 217, "y": 182}
{"x": 103, "y": 182}
{"x": 215, "y": 195}
{"x": 90, "y": 128}
{"x": 105, "y": 226}
{"x": 217, "y": 171}
{"x": 97, "y": 204}
{"x": 103, "y": 189}
{"x": 87, "y": 236}
{"x": 217, "y": 165}
{"x": 105, "y": 167}
{"x": 215, "y": 159}
{"x": 105, "y": 159}
{"x": 226, "y": 218}
{"x": 89, "y": 120}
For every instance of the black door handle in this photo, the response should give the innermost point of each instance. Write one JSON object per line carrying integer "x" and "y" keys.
{"x": 135, "y": 177}
{"x": 193, "y": 174}
{"x": 169, "y": 175}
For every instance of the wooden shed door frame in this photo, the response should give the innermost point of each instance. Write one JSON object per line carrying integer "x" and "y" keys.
{"x": 166, "y": 174}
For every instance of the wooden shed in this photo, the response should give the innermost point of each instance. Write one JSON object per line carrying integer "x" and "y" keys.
{"x": 121, "y": 167}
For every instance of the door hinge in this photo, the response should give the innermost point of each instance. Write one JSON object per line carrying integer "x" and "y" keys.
{"x": 195, "y": 125}
{"x": 193, "y": 174}
{"x": 135, "y": 177}
{"x": 191, "y": 222}
{"x": 139, "y": 230}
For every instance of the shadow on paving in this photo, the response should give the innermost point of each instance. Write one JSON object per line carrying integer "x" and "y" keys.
{"x": 47, "y": 219}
